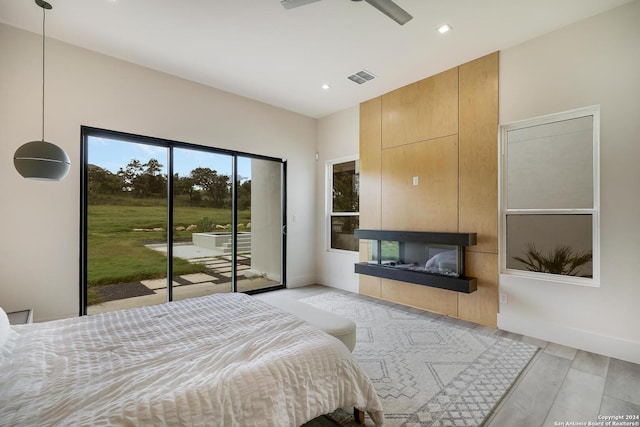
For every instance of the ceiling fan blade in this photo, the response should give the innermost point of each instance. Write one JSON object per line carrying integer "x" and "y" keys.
{"x": 392, "y": 10}
{"x": 290, "y": 4}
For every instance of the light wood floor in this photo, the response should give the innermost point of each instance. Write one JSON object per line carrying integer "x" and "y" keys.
{"x": 561, "y": 384}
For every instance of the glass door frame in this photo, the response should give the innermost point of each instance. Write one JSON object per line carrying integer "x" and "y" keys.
{"x": 87, "y": 131}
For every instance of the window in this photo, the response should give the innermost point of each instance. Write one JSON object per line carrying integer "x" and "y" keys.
{"x": 344, "y": 203}
{"x": 550, "y": 198}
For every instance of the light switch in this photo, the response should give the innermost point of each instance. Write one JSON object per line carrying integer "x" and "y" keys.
{"x": 416, "y": 180}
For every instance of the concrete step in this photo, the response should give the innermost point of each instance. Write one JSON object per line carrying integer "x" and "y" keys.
{"x": 242, "y": 247}
{"x": 227, "y": 251}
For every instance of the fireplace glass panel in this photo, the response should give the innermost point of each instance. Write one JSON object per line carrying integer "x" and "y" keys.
{"x": 442, "y": 259}
{"x": 425, "y": 257}
{"x": 390, "y": 252}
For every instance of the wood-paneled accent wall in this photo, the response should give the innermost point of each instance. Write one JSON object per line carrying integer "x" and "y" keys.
{"x": 370, "y": 164}
{"x": 430, "y": 203}
{"x": 423, "y": 110}
{"x": 442, "y": 130}
{"x": 478, "y": 135}
{"x": 370, "y": 183}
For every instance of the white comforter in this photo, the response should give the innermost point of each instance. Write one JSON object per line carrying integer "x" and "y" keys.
{"x": 227, "y": 360}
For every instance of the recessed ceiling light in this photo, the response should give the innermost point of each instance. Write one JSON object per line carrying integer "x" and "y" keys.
{"x": 444, "y": 29}
{"x": 326, "y": 87}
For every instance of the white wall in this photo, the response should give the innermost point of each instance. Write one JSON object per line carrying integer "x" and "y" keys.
{"x": 338, "y": 137}
{"x": 39, "y": 221}
{"x": 595, "y": 61}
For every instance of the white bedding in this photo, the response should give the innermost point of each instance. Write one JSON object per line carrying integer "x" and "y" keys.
{"x": 228, "y": 360}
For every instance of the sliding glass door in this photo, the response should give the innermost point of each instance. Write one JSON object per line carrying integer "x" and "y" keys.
{"x": 126, "y": 209}
{"x": 211, "y": 220}
{"x": 202, "y": 222}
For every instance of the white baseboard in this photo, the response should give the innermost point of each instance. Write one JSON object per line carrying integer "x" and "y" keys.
{"x": 298, "y": 281}
{"x": 619, "y": 348}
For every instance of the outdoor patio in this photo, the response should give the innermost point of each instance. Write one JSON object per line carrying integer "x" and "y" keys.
{"x": 216, "y": 280}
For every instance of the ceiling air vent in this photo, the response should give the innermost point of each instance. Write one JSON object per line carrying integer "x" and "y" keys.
{"x": 361, "y": 77}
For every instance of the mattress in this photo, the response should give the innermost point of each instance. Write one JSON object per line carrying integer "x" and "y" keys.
{"x": 224, "y": 359}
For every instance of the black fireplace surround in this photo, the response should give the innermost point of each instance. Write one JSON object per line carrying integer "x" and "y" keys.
{"x": 424, "y": 258}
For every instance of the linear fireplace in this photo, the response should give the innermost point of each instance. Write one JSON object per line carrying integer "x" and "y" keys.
{"x": 424, "y": 258}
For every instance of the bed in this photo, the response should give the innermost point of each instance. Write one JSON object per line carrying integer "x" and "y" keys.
{"x": 224, "y": 359}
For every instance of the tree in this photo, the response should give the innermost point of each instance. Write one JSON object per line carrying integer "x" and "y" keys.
{"x": 244, "y": 195}
{"x": 346, "y": 197}
{"x": 143, "y": 180}
{"x": 103, "y": 182}
{"x": 129, "y": 174}
{"x": 185, "y": 185}
{"x": 151, "y": 182}
{"x": 345, "y": 192}
{"x": 215, "y": 186}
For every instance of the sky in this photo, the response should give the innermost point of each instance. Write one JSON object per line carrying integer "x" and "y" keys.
{"x": 113, "y": 155}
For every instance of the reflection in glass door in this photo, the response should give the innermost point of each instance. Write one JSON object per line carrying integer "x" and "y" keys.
{"x": 202, "y": 222}
{"x": 260, "y": 226}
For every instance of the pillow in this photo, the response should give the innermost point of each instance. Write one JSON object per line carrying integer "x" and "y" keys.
{"x": 5, "y": 328}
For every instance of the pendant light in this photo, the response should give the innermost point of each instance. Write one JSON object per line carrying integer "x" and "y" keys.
{"x": 42, "y": 160}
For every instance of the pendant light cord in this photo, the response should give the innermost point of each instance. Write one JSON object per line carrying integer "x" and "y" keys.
{"x": 43, "y": 18}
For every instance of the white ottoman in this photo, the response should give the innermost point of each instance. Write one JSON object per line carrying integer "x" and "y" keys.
{"x": 340, "y": 327}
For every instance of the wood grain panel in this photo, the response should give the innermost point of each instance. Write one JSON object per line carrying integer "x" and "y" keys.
{"x": 432, "y": 205}
{"x": 423, "y": 110}
{"x": 364, "y": 248}
{"x": 370, "y": 180}
{"x": 370, "y": 286}
{"x": 370, "y": 172}
{"x": 478, "y": 139}
{"x": 481, "y": 306}
{"x": 424, "y": 297}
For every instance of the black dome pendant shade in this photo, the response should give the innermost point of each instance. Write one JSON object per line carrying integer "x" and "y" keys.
{"x": 42, "y": 160}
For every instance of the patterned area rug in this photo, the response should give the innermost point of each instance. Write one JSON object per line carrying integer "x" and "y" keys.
{"x": 427, "y": 371}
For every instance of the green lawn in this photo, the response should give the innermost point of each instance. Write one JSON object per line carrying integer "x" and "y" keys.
{"x": 117, "y": 254}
